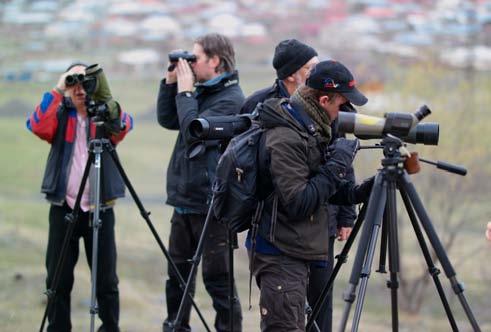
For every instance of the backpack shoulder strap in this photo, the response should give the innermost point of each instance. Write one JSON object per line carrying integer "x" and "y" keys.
{"x": 298, "y": 112}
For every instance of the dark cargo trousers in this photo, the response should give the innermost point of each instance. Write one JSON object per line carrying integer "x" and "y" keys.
{"x": 283, "y": 284}
{"x": 107, "y": 280}
{"x": 184, "y": 235}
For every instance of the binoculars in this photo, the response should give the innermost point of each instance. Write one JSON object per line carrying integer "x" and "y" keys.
{"x": 175, "y": 56}
{"x": 73, "y": 79}
{"x": 185, "y": 55}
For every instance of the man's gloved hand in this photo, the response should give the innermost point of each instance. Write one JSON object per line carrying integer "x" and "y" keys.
{"x": 362, "y": 191}
{"x": 113, "y": 122}
{"x": 342, "y": 152}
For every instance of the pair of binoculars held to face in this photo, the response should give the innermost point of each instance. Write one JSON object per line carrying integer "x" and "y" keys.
{"x": 73, "y": 79}
{"x": 176, "y": 55}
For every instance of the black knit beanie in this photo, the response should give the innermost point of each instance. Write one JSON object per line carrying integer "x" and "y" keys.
{"x": 289, "y": 56}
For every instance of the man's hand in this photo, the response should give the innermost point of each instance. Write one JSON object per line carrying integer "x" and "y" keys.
{"x": 185, "y": 76}
{"x": 171, "y": 75}
{"x": 343, "y": 233}
{"x": 363, "y": 190}
{"x": 488, "y": 231}
{"x": 343, "y": 151}
{"x": 61, "y": 86}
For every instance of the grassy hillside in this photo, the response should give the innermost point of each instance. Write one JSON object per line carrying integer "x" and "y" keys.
{"x": 452, "y": 202}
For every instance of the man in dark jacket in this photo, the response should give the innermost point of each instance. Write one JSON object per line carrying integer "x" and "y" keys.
{"x": 61, "y": 119}
{"x": 181, "y": 100}
{"x": 292, "y": 61}
{"x": 306, "y": 174}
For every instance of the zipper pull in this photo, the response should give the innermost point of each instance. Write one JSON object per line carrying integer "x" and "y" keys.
{"x": 239, "y": 172}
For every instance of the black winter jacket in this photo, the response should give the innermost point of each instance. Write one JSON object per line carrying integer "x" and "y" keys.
{"x": 339, "y": 216}
{"x": 274, "y": 91}
{"x": 189, "y": 180}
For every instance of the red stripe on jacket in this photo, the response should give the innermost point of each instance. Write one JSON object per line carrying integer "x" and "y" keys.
{"x": 44, "y": 121}
{"x": 71, "y": 129}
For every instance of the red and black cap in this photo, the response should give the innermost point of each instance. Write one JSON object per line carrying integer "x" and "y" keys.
{"x": 333, "y": 76}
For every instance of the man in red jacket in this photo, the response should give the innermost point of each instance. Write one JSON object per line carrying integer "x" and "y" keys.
{"x": 61, "y": 119}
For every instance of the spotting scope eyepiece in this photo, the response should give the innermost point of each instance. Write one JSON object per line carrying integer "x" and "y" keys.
{"x": 405, "y": 126}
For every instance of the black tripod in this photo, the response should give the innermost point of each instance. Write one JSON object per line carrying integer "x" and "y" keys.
{"x": 176, "y": 324}
{"x": 97, "y": 147}
{"x": 382, "y": 206}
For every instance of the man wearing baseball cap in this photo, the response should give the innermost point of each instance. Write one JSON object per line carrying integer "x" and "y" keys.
{"x": 292, "y": 62}
{"x": 301, "y": 174}
{"x": 333, "y": 76}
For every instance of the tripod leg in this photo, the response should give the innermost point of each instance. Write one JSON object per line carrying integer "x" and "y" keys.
{"x": 434, "y": 272}
{"x": 308, "y": 312}
{"x": 146, "y": 217}
{"x": 457, "y": 287}
{"x": 71, "y": 219}
{"x": 195, "y": 262}
{"x": 393, "y": 283}
{"x": 341, "y": 259}
{"x": 374, "y": 213}
{"x": 383, "y": 245}
{"x": 96, "y": 223}
{"x": 375, "y": 200}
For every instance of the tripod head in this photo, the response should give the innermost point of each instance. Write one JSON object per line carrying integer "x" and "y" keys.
{"x": 395, "y": 152}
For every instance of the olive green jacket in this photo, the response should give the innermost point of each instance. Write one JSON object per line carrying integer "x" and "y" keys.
{"x": 295, "y": 217}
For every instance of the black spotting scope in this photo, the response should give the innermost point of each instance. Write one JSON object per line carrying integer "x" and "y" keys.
{"x": 403, "y": 125}
{"x": 220, "y": 127}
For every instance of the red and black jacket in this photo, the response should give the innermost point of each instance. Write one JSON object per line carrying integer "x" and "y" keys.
{"x": 55, "y": 121}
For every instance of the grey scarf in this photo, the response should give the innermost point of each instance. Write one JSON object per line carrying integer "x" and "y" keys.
{"x": 317, "y": 114}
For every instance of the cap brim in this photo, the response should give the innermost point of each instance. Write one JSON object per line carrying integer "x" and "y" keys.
{"x": 355, "y": 97}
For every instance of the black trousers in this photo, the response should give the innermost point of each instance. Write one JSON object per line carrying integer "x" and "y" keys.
{"x": 184, "y": 235}
{"x": 107, "y": 280}
{"x": 318, "y": 277}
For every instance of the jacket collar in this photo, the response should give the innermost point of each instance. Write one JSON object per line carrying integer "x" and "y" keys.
{"x": 273, "y": 113}
{"x": 218, "y": 83}
{"x": 282, "y": 91}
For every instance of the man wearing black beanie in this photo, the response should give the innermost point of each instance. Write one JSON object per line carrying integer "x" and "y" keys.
{"x": 292, "y": 61}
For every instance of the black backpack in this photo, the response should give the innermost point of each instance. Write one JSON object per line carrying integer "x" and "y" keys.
{"x": 236, "y": 201}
